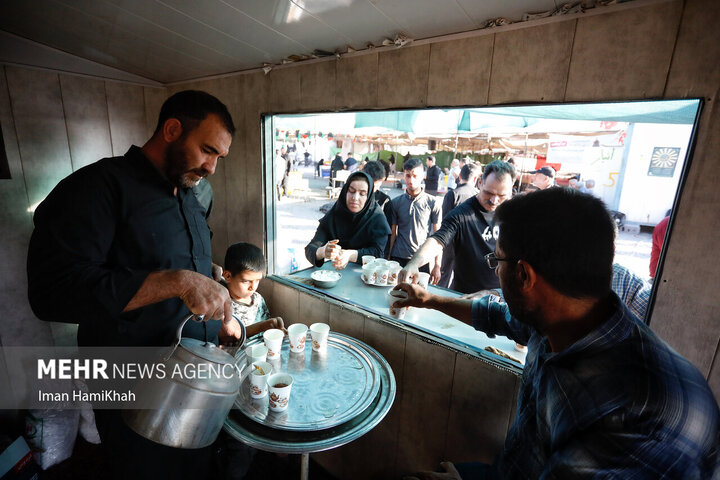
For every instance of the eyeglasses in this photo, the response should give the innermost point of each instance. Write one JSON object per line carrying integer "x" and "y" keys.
{"x": 492, "y": 260}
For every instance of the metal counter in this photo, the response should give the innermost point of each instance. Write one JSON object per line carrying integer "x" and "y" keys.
{"x": 351, "y": 289}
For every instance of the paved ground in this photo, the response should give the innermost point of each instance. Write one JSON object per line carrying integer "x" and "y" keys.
{"x": 298, "y": 216}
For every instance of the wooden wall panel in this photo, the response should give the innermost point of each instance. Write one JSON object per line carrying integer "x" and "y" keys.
{"x": 284, "y": 91}
{"x": 126, "y": 111}
{"x": 19, "y": 326}
{"x": 346, "y": 321}
{"x": 86, "y": 117}
{"x": 686, "y": 312}
{"x": 459, "y": 72}
{"x": 517, "y": 76}
{"x": 695, "y": 69}
{"x": 480, "y": 412}
{"x": 356, "y": 82}
{"x": 623, "y": 55}
{"x": 153, "y": 99}
{"x": 426, "y": 399}
{"x": 286, "y": 303}
{"x": 40, "y": 126}
{"x": 317, "y": 86}
{"x": 313, "y": 309}
{"x": 403, "y": 77}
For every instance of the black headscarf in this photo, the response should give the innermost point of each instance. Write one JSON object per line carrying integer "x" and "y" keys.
{"x": 356, "y": 230}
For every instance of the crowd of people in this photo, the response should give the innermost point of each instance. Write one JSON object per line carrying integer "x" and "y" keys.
{"x": 122, "y": 248}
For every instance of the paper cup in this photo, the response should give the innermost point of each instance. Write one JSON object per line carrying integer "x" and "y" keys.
{"x": 297, "y": 333}
{"x": 319, "y": 333}
{"x": 273, "y": 341}
{"x": 381, "y": 276}
{"x": 394, "y": 296}
{"x": 423, "y": 279}
{"x": 367, "y": 259}
{"x": 394, "y": 270}
{"x": 368, "y": 273}
{"x": 279, "y": 386}
{"x": 258, "y": 380}
{"x": 256, "y": 353}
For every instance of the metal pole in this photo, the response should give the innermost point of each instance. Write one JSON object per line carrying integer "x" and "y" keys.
{"x": 304, "y": 466}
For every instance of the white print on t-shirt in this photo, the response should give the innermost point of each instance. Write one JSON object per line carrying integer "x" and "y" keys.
{"x": 486, "y": 235}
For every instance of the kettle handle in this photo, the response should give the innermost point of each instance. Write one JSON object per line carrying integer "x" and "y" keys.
{"x": 199, "y": 318}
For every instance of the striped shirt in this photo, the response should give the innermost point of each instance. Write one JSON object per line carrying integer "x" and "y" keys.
{"x": 619, "y": 403}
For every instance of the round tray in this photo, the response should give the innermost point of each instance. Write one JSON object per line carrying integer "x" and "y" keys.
{"x": 269, "y": 439}
{"x": 329, "y": 388}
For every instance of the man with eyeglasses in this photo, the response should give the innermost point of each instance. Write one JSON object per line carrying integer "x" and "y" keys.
{"x": 470, "y": 230}
{"x": 602, "y": 396}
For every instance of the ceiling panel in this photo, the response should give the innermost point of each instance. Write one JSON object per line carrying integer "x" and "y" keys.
{"x": 177, "y": 40}
{"x": 427, "y": 18}
{"x": 483, "y": 11}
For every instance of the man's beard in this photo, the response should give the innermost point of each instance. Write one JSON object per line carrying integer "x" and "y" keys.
{"x": 517, "y": 304}
{"x": 176, "y": 161}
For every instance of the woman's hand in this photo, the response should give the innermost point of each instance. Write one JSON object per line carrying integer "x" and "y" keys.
{"x": 343, "y": 258}
{"x": 329, "y": 251}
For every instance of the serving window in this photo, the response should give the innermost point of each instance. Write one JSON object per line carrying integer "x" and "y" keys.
{"x": 632, "y": 155}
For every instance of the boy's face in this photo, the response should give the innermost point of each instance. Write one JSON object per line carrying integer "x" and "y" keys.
{"x": 242, "y": 285}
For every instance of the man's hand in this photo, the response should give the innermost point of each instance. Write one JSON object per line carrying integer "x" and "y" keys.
{"x": 417, "y": 296}
{"x": 217, "y": 272}
{"x": 205, "y": 296}
{"x": 230, "y": 332}
{"x": 450, "y": 473}
{"x": 409, "y": 273}
{"x": 435, "y": 274}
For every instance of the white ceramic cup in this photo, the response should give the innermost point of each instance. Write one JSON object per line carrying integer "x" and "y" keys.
{"x": 273, "y": 341}
{"x": 297, "y": 333}
{"x": 423, "y": 279}
{"x": 319, "y": 333}
{"x": 258, "y": 380}
{"x": 279, "y": 396}
{"x": 381, "y": 276}
{"x": 256, "y": 353}
{"x": 367, "y": 259}
{"x": 368, "y": 273}
{"x": 394, "y": 296}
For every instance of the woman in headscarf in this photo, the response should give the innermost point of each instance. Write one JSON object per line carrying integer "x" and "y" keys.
{"x": 354, "y": 226}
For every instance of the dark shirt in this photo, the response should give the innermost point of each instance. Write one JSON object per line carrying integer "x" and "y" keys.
{"x": 472, "y": 236}
{"x": 384, "y": 201}
{"x": 350, "y": 163}
{"x": 98, "y": 235}
{"x": 456, "y": 196}
{"x": 432, "y": 177}
{"x": 618, "y": 403}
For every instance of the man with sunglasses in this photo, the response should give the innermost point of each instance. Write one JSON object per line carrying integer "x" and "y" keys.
{"x": 470, "y": 230}
{"x": 602, "y": 396}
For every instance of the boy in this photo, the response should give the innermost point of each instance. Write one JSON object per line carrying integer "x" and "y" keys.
{"x": 244, "y": 268}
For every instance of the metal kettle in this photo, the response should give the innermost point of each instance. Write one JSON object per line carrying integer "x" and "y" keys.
{"x": 187, "y": 411}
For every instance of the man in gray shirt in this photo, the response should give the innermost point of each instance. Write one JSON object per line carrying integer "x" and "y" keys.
{"x": 415, "y": 214}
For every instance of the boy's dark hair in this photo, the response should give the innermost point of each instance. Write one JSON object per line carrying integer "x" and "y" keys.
{"x": 412, "y": 164}
{"x": 500, "y": 169}
{"x": 192, "y": 107}
{"x": 243, "y": 256}
{"x": 567, "y": 236}
{"x": 376, "y": 170}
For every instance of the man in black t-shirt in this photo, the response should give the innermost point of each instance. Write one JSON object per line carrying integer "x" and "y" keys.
{"x": 471, "y": 231}
{"x": 432, "y": 176}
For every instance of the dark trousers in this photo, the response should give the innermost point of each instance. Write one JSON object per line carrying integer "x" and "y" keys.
{"x": 134, "y": 457}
